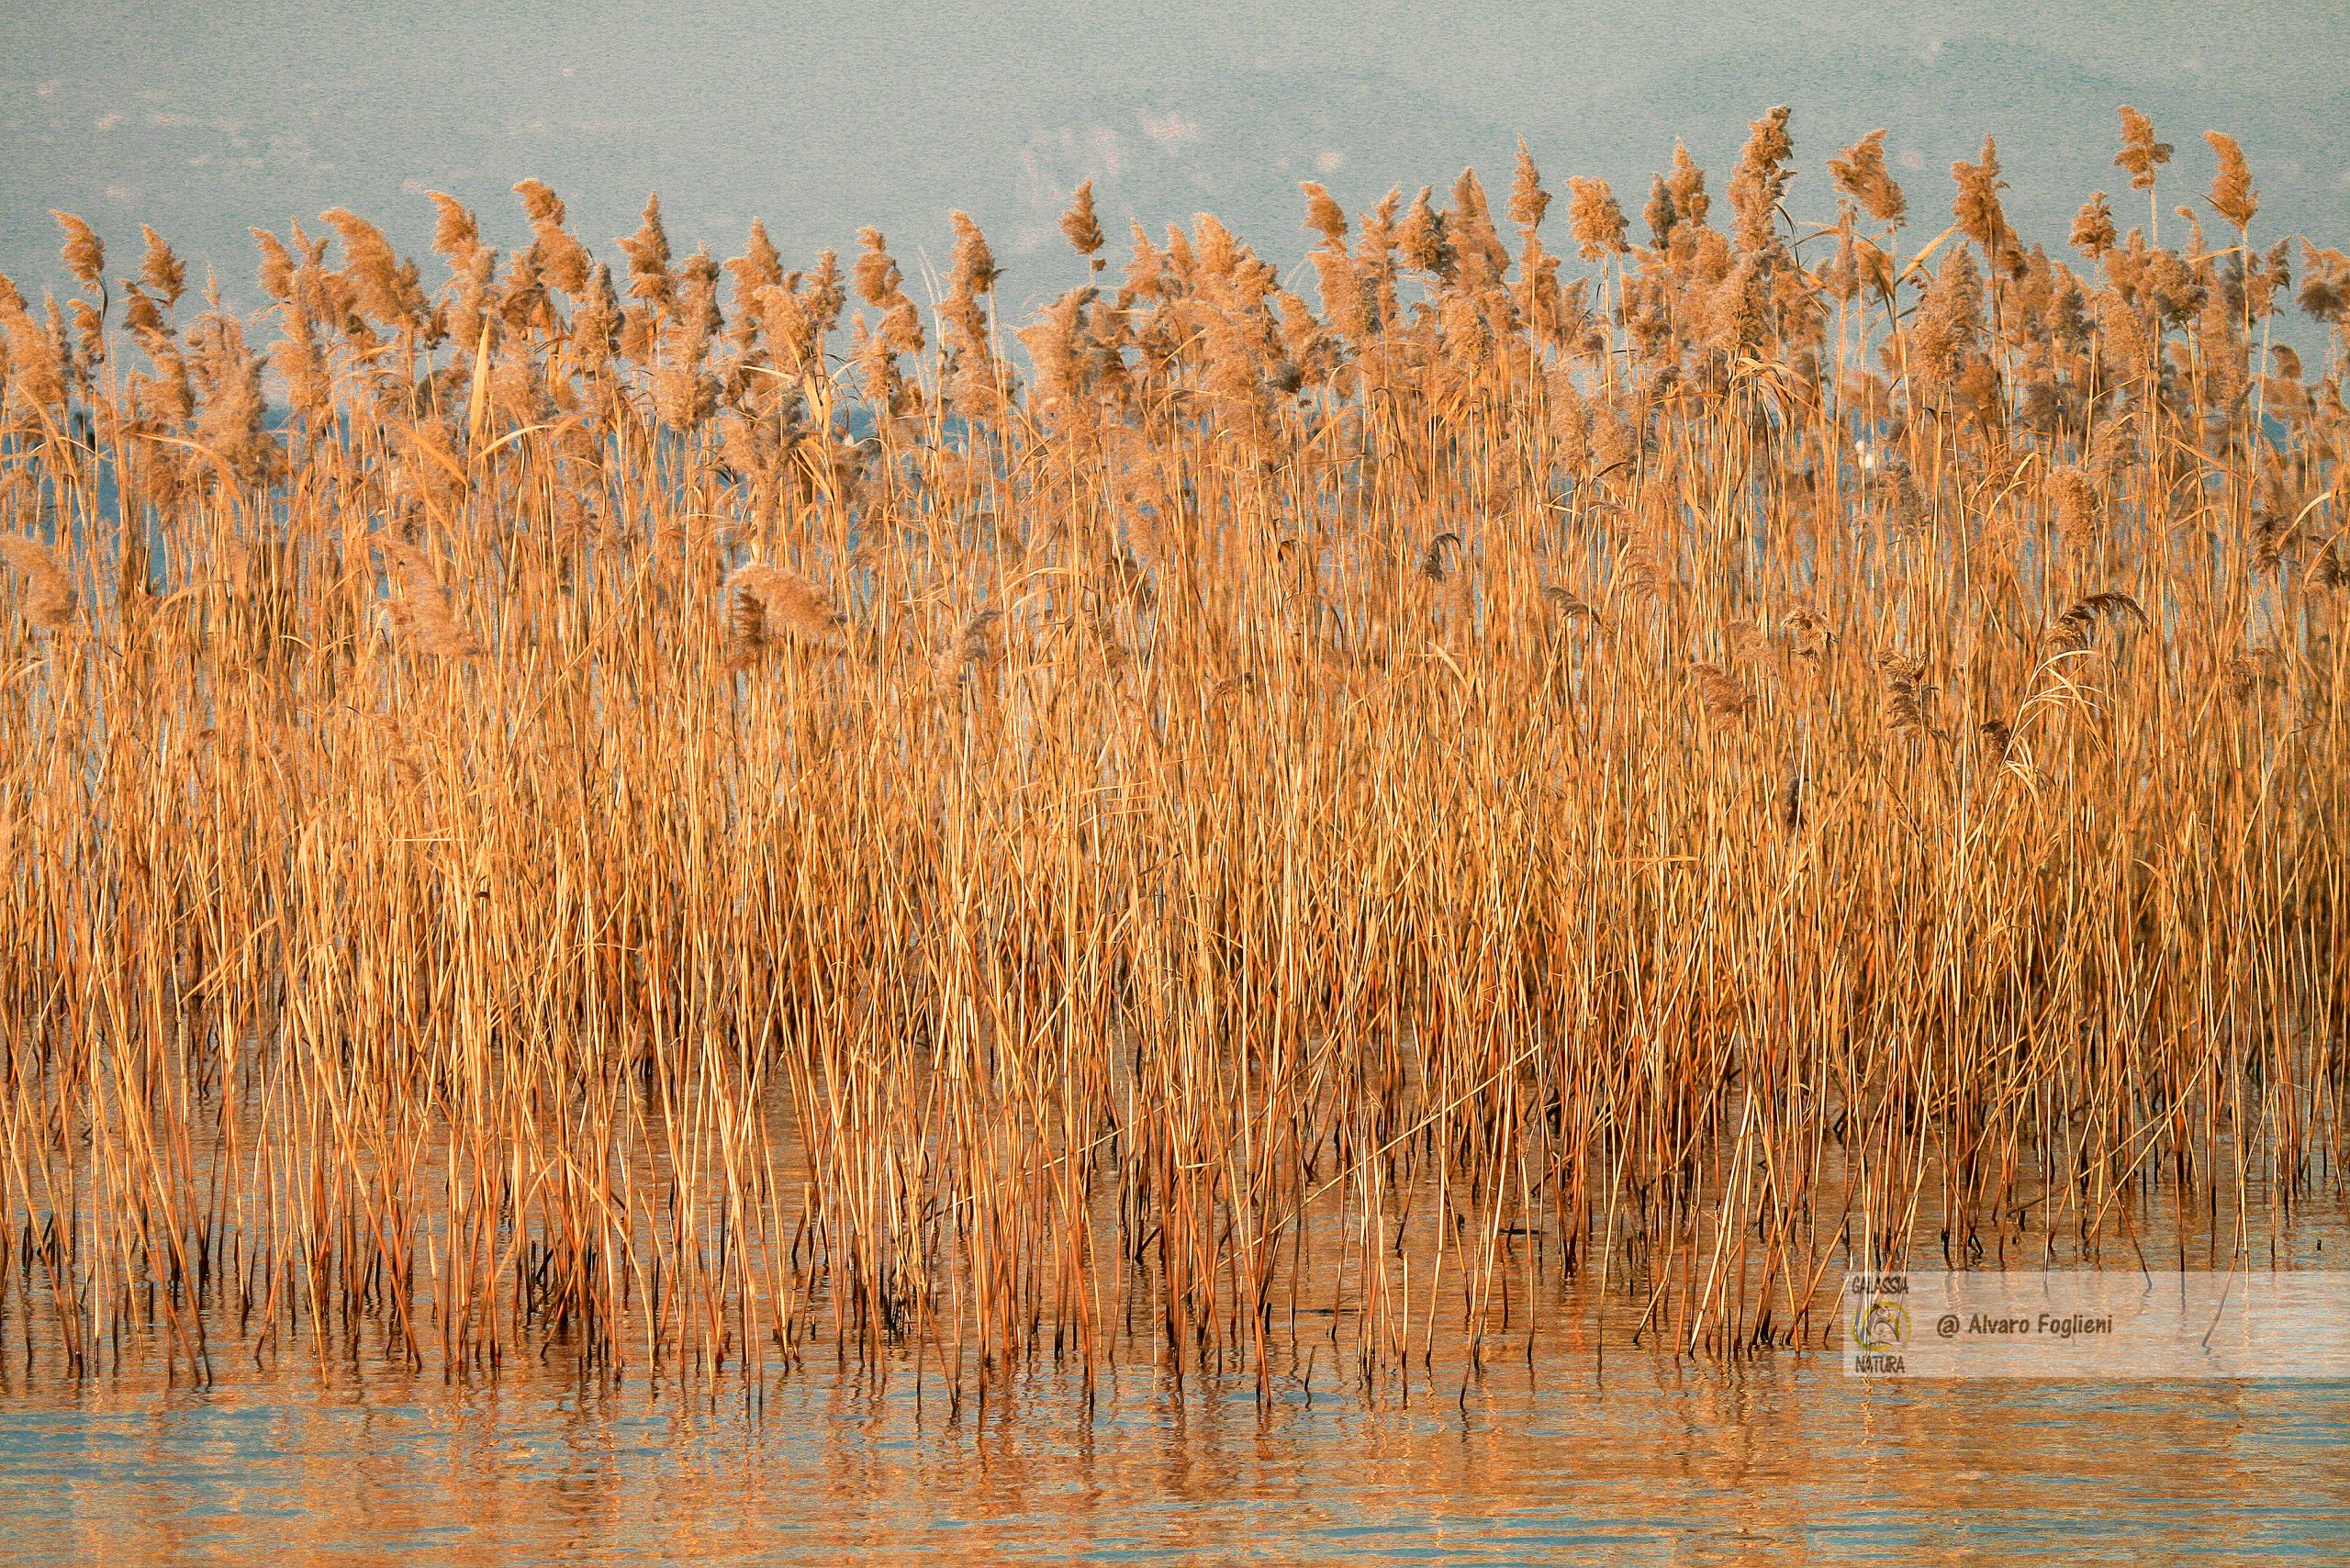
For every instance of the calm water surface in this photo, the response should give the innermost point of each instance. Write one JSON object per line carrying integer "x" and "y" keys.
{"x": 1770, "y": 1463}
{"x": 1783, "y": 1461}
{"x": 1589, "y": 1449}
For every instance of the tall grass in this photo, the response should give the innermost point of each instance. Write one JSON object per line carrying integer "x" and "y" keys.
{"x": 599, "y": 811}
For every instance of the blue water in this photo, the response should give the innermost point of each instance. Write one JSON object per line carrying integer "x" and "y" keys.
{"x": 1783, "y": 1460}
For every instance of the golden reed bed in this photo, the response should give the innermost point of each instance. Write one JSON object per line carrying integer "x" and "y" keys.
{"x": 672, "y": 813}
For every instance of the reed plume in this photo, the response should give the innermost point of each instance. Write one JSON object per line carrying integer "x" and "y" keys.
{"x": 1859, "y": 171}
{"x": 2141, "y": 154}
{"x": 2073, "y": 631}
{"x": 46, "y": 594}
{"x": 86, "y": 253}
{"x": 2233, "y": 196}
{"x": 772, "y": 607}
{"x": 419, "y": 611}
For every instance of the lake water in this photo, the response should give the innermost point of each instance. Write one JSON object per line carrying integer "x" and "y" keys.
{"x": 1777, "y": 1461}
{"x": 1765, "y": 1463}
{"x": 1592, "y": 1449}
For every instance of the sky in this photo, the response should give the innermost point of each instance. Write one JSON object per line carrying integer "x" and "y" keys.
{"x": 206, "y": 121}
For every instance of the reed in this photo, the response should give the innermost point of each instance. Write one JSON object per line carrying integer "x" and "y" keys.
{"x": 675, "y": 813}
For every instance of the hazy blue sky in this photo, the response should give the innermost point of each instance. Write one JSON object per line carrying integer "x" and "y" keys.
{"x": 208, "y": 119}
